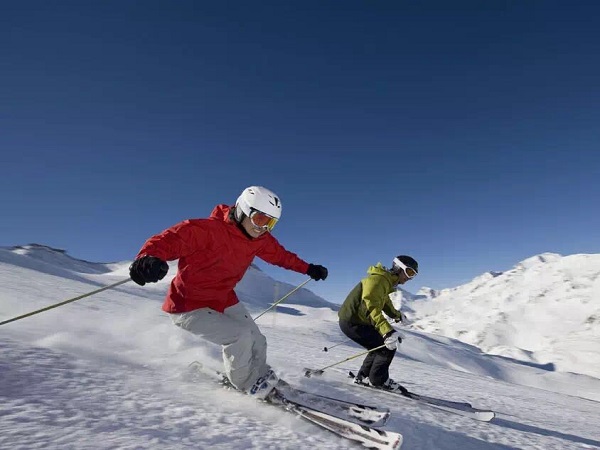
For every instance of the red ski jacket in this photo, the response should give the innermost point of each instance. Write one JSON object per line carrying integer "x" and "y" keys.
{"x": 213, "y": 255}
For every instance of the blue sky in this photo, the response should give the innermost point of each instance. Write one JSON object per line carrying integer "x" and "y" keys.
{"x": 462, "y": 133}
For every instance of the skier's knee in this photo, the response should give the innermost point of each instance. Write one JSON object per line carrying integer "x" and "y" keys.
{"x": 259, "y": 345}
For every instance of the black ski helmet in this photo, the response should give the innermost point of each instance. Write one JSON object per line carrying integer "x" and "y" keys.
{"x": 408, "y": 261}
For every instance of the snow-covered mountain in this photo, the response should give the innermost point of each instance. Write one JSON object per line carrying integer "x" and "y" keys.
{"x": 111, "y": 372}
{"x": 256, "y": 288}
{"x": 545, "y": 311}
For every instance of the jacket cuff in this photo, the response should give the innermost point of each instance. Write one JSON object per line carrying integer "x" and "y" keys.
{"x": 388, "y": 334}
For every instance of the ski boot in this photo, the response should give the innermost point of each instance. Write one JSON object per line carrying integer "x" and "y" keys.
{"x": 391, "y": 385}
{"x": 264, "y": 385}
{"x": 359, "y": 379}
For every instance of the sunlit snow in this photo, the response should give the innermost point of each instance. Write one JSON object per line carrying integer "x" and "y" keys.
{"x": 111, "y": 371}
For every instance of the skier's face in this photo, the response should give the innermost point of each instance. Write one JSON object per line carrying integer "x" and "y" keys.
{"x": 402, "y": 277}
{"x": 252, "y": 230}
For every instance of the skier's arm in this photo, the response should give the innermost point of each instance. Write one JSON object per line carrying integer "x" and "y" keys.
{"x": 177, "y": 241}
{"x": 274, "y": 253}
{"x": 374, "y": 295}
{"x": 391, "y": 311}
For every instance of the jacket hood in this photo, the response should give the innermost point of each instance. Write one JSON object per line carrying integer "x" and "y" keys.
{"x": 379, "y": 269}
{"x": 221, "y": 212}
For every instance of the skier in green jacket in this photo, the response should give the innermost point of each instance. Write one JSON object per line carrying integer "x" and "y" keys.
{"x": 361, "y": 318}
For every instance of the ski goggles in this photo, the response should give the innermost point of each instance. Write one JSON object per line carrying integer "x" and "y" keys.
{"x": 409, "y": 271}
{"x": 261, "y": 220}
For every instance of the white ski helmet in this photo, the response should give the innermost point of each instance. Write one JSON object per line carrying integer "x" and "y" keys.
{"x": 258, "y": 198}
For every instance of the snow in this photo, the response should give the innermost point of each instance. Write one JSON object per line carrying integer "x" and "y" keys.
{"x": 545, "y": 310}
{"x": 111, "y": 371}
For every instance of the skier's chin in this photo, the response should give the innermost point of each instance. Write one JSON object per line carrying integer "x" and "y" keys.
{"x": 256, "y": 233}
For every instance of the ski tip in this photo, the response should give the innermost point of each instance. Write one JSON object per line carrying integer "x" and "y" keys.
{"x": 485, "y": 416}
{"x": 397, "y": 442}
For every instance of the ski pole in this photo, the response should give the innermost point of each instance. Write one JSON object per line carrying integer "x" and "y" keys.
{"x": 309, "y": 372}
{"x": 56, "y": 305}
{"x": 282, "y": 298}
{"x": 333, "y": 346}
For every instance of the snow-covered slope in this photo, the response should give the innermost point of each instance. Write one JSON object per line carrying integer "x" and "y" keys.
{"x": 545, "y": 311}
{"x": 110, "y": 372}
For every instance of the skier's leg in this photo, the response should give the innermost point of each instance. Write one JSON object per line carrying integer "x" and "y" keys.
{"x": 236, "y": 338}
{"x": 366, "y": 336}
{"x": 380, "y": 368}
{"x": 365, "y": 368}
{"x": 258, "y": 362}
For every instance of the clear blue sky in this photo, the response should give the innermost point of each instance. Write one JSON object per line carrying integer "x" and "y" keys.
{"x": 462, "y": 133}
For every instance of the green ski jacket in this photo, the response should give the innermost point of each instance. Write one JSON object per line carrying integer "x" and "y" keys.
{"x": 369, "y": 298}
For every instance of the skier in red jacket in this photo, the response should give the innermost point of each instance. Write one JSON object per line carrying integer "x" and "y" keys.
{"x": 214, "y": 255}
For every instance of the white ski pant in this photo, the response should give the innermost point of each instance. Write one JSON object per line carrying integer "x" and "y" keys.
{"x": 244, "y": 346}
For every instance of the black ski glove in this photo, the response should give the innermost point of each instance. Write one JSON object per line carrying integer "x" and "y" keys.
{"x": 317, "y": 272}
{"x": 148, "y": 269}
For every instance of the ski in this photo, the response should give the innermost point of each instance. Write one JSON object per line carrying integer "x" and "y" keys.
{"x": 461, "y": 408}
{"x": 369, "y": 437}
{"x": 358, "y": 413}
{"x": 362, "y": 433}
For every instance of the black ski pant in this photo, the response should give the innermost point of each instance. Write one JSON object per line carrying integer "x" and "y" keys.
{"x": 376, "y": 364}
